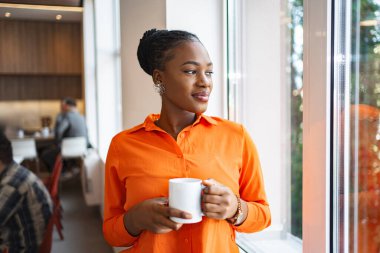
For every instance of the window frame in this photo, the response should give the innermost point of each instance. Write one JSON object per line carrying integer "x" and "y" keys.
{"x": 317, "y": 127}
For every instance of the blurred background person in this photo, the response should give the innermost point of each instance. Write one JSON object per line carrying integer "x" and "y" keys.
{"x": 25, "y": 204}
{"x": 69, "y": 123}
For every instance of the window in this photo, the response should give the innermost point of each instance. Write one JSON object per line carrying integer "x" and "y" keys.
{"x": 265, "y": 69}
{"x": 339, "y": 103}
{"x": 357, "y": 111}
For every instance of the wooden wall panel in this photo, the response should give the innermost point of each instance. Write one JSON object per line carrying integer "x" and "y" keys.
{"x": 40, "y": 47}
{"x": 40, "y": 60}
{"x": 34, "y": 87}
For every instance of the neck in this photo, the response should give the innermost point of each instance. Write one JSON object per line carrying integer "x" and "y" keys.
{"x": 173, "y": 123}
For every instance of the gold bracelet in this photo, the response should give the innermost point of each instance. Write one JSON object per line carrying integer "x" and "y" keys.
{"x": 239, "y": 213}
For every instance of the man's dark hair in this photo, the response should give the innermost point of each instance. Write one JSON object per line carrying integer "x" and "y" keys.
{"x": 6, "y": 155}
{"x": 69, "y": 101}
{"x": 153, "y": 48}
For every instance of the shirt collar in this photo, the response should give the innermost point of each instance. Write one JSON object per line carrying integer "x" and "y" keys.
{"x": 149, "y": 125}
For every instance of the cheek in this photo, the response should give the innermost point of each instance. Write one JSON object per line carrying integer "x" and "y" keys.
{"x": 180, "y": 87}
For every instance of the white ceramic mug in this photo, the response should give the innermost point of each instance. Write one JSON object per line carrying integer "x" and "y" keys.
{"x": 185, "y": 194}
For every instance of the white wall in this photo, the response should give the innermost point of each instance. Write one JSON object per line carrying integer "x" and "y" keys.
{"x": 138, "y": 96}
{"x": 263, "y": 98}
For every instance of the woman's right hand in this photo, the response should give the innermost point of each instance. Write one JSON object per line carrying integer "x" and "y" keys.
{"x": 153, "y": 215}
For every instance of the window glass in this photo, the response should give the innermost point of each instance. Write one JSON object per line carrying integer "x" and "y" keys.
{"x": 264, "y": 92}
{"x": 233, "y": 60}
{"x": 296, "y": 73}
{"x": 364, "y": 185}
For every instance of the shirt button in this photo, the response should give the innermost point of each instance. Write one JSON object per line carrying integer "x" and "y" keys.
{"x": 180, "y": 155}
{"x": 186, "y": 240}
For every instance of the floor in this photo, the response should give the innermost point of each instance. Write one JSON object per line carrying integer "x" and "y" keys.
{"x": 82, "y": 224}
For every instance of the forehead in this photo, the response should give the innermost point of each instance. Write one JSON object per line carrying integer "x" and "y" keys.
{"x": 189, "y": 51}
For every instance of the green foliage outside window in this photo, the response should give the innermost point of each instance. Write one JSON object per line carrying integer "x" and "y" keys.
{"x": 296, "y": 73}
{"x": 365, "y": 12}
{"x": 365, "y": 67}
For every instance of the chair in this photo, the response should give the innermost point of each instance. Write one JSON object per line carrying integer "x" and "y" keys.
{"x": 25, "y": 149}
{"x": 47, "y": 241}
{"x": 52, "y": 184}
{"x": 74, "y": 148}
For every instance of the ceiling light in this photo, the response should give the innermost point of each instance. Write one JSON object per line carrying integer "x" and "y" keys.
{"x": 58, "y": 17}
{"x": 8, "y": 14}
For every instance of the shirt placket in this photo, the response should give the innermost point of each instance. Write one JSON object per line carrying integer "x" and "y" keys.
{"x": 182, "y": 142}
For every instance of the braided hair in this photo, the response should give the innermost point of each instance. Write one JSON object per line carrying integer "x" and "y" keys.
{"x": 153, "y": 48}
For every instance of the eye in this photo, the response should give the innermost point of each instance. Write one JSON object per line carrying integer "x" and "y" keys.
{"x": 190, "y": 72}
{"x": 209, "y": 73}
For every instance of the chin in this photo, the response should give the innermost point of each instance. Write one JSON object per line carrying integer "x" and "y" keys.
{"x": 200, "y": 110}
{"x": 197, "y": 108}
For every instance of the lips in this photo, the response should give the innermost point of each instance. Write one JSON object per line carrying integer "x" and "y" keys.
{"x": 202, "y": 96}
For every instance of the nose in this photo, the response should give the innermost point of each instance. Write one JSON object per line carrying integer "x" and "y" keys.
{"x": 204, "y": 80}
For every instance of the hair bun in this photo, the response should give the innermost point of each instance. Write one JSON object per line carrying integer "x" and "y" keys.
{"x": 144, "y": 54}
{"x": 149, "y": 33}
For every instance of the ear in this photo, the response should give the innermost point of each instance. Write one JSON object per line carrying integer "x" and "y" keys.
{"x": 157, "y": 76}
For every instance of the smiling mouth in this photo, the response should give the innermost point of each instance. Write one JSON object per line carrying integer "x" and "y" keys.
{"x": 201, "y": 96}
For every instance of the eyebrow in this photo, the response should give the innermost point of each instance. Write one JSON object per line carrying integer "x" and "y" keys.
{"x": 195, "y": 63}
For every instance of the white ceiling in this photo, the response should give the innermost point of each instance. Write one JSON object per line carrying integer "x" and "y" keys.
{"x": 40, "y": 12}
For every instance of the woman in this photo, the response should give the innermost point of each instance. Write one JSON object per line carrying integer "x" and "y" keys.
{"x": 181, "y": 142}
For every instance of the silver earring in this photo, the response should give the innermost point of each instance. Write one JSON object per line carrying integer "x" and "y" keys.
{"x": 159, "y": 87}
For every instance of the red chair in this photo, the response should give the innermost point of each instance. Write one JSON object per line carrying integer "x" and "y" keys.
{"x": 47, "y": 242}
{"x": 52, "y": 184}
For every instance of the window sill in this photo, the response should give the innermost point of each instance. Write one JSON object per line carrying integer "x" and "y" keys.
{"x": 288, "y": 245}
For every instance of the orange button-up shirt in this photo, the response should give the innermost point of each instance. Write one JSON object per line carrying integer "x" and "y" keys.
{"x": 141, "y": 160}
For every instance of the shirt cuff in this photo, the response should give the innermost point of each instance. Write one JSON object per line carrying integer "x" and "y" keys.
{"x": 257, "y": 219}
{"x": 122, "y": 233}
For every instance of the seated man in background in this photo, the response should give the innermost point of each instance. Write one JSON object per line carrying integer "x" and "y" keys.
{"x": 25, "y": 205}
{"x": 69, "y": 123}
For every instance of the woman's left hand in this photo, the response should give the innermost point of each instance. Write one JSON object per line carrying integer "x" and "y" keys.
{"x": 218, "y": 201}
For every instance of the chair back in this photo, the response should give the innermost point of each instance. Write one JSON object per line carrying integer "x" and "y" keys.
{"x": 73, "y": 147}
{"x": 24, "y": 148}
{"x": 47, "y": 241}
{"x": 54, "y": 181}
